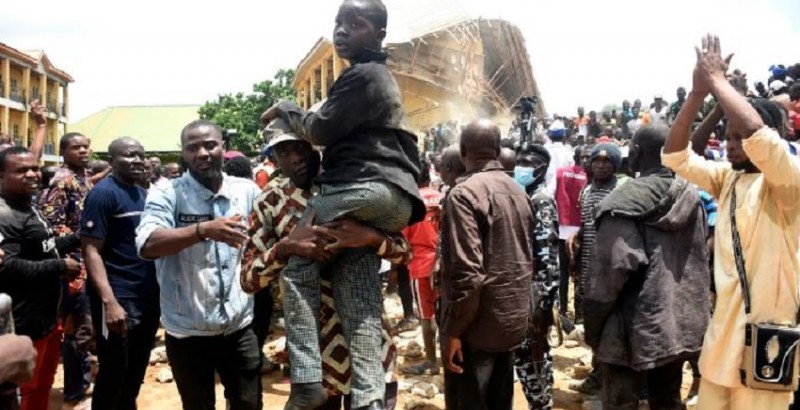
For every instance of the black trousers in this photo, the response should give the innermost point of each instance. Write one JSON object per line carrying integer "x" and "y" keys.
{"x": 623, "y": 385}
{"x": 487, "y": 381}
{"x": 404, "y": 290}
{"x": 563, "y": 260}
{"x": 123, "y": 359}
{"x": 77, "y": 318}
{"x": 234, "y": 357}
{"x": 263, "y": 305}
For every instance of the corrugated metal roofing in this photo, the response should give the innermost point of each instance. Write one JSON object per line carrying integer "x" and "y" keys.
{"x": 157, "y": 127}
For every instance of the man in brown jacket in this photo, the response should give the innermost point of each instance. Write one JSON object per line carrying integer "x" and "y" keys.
{"x": 487, "y": 265}
{"x": 647, "y": 303}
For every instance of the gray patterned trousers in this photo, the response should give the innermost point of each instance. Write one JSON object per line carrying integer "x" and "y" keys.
{"x": 536, "y": 376}
{"x": 356, "y": 288}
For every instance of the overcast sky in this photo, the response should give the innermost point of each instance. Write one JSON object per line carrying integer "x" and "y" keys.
{"x": 589, "y": 53}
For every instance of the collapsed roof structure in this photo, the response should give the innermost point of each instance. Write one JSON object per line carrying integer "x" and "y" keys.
{"x": 448, "y": 65}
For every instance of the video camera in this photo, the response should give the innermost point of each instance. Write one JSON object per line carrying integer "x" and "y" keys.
{"x": 525, "y": 108}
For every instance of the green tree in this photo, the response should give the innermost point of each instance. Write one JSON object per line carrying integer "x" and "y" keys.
{"x": 241, "y": 111}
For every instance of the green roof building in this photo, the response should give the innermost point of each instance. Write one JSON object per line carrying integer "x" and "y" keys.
{"x": 157, "y": 127}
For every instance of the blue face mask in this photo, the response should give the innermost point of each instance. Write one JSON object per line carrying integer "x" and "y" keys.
{"x": 524, "y": 176}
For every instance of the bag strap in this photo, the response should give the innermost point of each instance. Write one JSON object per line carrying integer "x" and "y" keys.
{"x": 737, "y": 250}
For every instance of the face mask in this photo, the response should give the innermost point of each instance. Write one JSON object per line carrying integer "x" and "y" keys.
{"x": 524, "y": 176}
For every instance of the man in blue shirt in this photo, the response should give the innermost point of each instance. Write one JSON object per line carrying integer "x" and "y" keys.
{"x": 195, "y": 232}
{"x": 124, "y": 292}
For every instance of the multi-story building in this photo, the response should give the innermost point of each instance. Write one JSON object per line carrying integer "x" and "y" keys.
{"x": 26, "y": 76}
{"x": 449, "y": 65}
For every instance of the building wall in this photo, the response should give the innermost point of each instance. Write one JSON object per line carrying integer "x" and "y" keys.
{"x": 19, "y": 86}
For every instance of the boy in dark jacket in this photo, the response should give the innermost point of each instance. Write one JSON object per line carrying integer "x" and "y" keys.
{"x": 647, "y": 303}
{"x": 370, "y": 167}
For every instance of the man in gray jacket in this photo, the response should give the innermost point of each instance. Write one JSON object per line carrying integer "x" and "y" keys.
{"x": 646, "y": 302}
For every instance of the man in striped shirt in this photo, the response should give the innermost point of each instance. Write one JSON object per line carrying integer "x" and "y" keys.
{"x": 606, "y": 160}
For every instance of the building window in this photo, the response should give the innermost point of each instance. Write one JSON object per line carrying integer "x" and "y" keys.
{"x": 15, "y": 131}
{"x": 2, "y": 87}
{"x": 35, "y": 93}
{"x": 16, "y": 94}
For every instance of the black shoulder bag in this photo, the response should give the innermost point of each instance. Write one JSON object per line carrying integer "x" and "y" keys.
{"x": 771, "y": 355}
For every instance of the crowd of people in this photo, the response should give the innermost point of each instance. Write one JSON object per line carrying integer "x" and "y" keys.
{"x": 486, "y": 233}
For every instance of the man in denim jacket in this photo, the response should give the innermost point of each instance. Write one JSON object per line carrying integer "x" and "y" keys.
{"x": 195, "y": 232}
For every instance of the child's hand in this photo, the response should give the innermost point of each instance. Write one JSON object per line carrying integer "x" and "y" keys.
{"x": 269, "y": 115}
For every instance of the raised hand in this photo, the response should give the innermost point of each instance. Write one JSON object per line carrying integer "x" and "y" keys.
{"x": 38, "y": 113}
{"x": 739, "y": 81}
{"x": 710, "y": 65}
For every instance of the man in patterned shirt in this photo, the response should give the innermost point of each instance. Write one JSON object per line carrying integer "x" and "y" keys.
{"x": 276, "y": 236}
{"x": 533, "y": 362}
{"x": 62, "y": 206}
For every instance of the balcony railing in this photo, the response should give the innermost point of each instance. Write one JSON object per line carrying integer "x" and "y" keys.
{"x": 52, "y": 106}
{"x": 17, "y": 96}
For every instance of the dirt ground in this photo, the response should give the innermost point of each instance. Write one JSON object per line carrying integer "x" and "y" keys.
{"x": 157, "y": 396}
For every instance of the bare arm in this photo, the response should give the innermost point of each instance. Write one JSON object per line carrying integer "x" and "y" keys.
{"x": 98, "y": 276}
{"x": 702, "y": 134}
{"x": 164, "y": 242}
{"x": 678, "y": 138}
{"x": 94, "y": 179}
{"x": 39, "y": 115}
{"x": 115, "y": 315}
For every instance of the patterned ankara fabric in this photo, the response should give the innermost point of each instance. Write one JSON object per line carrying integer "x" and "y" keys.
{"x": 62, "y": 206}
{"x": 276, "y": 213}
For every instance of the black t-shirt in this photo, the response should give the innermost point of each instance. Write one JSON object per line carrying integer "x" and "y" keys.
{"x": 111, "y": 212}
{"x": 32, "y": 268}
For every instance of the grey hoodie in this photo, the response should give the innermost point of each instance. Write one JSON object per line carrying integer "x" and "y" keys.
{"x": 647, "y": 298}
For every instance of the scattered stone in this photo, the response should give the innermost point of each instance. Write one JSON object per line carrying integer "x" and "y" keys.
{"x": 164, "y": 376}
{"x": 581, "y": 372}
{"x": 158, "y": 355}
{"x": 411, "y": 350}
{"x": 404, "y": 386}
{"x": 414, "y": 403}
{"x": 586, "y": 360}
{"x": 425, "y": 390}
{"x": 438, "y": 381}
{"x": 571, "y": 344}
{"x": 592, "y": 404}
{"x": 576, "y": 335}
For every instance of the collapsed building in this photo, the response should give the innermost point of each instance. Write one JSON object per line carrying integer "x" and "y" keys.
{"x": 450, "y": 69}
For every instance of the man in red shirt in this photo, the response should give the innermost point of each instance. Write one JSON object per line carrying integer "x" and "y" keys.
{"x": 570, "y": 181}
{"x": 424, "y": 238}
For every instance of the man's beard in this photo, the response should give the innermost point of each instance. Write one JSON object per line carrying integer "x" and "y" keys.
{"x": 746, "y": 166}
{"x": 207, "y": 177}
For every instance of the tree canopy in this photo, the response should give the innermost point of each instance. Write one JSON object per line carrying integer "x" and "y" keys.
{"x": 241, "y": 111}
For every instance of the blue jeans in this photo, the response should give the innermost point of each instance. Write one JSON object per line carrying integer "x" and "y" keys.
{"x": 77, "y": 319}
